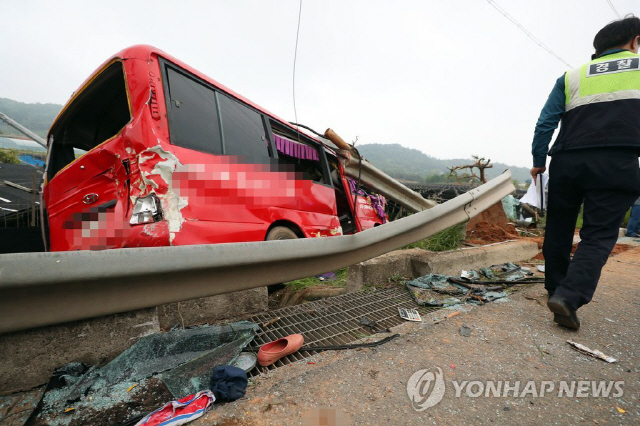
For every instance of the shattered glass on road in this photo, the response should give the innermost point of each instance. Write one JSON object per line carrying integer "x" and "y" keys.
{"x": 481, "y": 286}
{"x": 157, "y": 368}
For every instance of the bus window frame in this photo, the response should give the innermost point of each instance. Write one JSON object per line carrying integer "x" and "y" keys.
{"x": 164, "y": 63}
{"x": 322, "y": 154}
{"x": 266, "y": 119}
{"x": 273, "y": 152}
{"x": 63, "y": 115}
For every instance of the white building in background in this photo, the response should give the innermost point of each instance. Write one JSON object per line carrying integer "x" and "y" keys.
{"x": 21, "y": 144}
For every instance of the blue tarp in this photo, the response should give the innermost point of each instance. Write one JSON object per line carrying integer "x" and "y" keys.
{"x": 30, "y": 159}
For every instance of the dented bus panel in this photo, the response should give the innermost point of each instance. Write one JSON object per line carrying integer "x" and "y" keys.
{"x": 150, "y": 152}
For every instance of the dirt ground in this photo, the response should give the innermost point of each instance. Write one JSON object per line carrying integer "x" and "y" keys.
{"x": 617, "y": 249}
{"x": 512, "y": 340}
{"x": 490, "y": 226}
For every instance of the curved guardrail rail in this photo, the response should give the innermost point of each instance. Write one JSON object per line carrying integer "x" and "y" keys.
{"x": 38, "y": 289}
{"x": 387, "y": 186}
{"x": 19, "y": 127}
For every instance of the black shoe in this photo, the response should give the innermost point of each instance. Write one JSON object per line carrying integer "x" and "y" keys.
{"x": 563, "y": 314}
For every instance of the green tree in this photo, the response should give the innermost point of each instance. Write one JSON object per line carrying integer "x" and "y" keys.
{"x": 436, "y": 178}
{"x": 9, "y": 156}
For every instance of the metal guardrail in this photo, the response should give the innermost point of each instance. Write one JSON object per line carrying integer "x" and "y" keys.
{"x": 356, "y": 167}
{"x": 19, "y": 127}
{"x": 38, "y": 289}
{"x": 386, "y": 185}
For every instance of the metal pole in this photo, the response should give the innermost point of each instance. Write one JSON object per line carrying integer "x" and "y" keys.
{"x": 19, "y": 127}
{"x": 33, "y": 202}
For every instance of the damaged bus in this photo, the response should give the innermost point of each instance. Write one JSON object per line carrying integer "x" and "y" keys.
{"x": 150, "y": 152}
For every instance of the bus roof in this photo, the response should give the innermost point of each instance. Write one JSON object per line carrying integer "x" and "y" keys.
{"x": 145, "y": 52}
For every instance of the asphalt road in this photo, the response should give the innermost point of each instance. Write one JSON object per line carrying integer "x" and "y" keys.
{"x": 13, "y": 199}
{"x": 514, "y": 340}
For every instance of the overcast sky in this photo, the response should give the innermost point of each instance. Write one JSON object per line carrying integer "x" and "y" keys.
{"x": 451, "y": 78}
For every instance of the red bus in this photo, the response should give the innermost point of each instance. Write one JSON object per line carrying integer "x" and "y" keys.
{"x": 150, "y": 152}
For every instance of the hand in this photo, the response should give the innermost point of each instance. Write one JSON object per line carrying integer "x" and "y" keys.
{"x": 535, "y": 171}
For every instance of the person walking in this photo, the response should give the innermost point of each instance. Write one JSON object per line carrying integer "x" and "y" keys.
{"x": 594, "y": 162}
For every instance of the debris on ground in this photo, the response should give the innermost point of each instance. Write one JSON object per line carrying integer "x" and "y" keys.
{"x": 435, "y": 290}
{"x": 451, "y": 315}
{"x": 481, "y": 286}
{"x": 228, "y": 383}
{"x": 465, "y": 330}
{"x": 506, "y": 343}
{"x": 510, "y": 205}
{"x": 181, "y": 411}
{"x": 591, "y": 352}
{"x": 350, "y": 346}
{"x": 156, "y": 369}
{"x": 246, "y": 360}
{"x": 372, "y": 326}
{"x": 272, "y": 351}
{"x": 409, "y": 314}
{"x": 329, "y": 276}
{"x": 270, "y": 322}
{"x": 536, "y": 299}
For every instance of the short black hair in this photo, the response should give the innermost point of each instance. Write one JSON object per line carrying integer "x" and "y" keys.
{"x": 616, "y": 34}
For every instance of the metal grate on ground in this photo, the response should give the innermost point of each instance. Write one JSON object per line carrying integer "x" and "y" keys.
{"x": 332, "y": 321}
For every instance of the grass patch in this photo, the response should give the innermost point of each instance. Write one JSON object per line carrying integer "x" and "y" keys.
{"x": 449, "y": 239}
{"x": 9, "y": 156}
{"x": 339, "y": 281}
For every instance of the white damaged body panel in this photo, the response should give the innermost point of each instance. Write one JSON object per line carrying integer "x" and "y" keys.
{"x": 157, "y": 167}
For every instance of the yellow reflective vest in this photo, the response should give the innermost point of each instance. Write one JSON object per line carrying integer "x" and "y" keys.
{"x": 602, "y": 104}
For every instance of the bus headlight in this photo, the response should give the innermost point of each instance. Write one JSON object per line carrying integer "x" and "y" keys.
{"x": 146, "y": 210}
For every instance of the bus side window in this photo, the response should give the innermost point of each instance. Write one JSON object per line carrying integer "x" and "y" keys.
{"x": 242, "y": 128}
{"x": 193, "y": 114}
{"x": 296, "y": 153}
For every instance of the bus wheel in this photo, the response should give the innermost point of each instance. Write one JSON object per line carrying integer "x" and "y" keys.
{"x": 281, "y": 233}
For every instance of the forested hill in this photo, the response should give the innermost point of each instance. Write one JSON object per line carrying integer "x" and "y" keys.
{"x": 35, "y": 117}
{"x": 412, "y": 164}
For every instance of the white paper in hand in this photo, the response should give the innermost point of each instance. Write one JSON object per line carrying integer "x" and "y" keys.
{"x": 533, "y": 197}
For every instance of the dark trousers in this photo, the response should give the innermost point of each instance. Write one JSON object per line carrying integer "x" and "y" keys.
{"x": 607, "y": 181}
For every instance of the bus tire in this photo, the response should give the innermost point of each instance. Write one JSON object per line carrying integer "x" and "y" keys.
{"x": 281, "y": 233}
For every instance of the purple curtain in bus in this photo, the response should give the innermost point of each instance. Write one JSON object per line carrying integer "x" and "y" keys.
{"x": 295, "y": 150}
{"x": 378, "y": 202}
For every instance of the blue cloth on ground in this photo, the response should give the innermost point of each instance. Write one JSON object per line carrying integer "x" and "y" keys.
{"x": 228, "y": 383}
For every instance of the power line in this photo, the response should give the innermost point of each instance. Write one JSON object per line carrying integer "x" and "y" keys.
{"x": 531, "y": 36}
{"x": 614, "y": 9}
{"x": 295, "y": 57}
